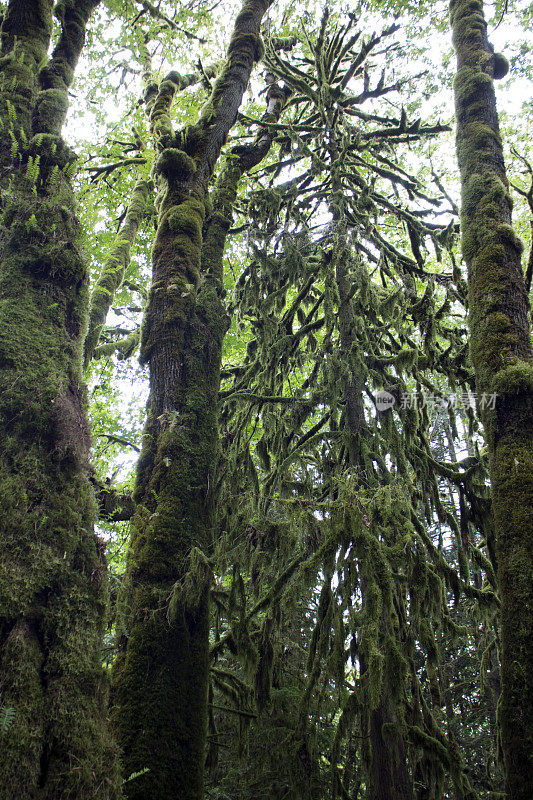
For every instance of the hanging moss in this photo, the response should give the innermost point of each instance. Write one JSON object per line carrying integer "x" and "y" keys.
{"x": 187, "y": 593}
{"x": 265, "y": 664}
{"x": 430, "y": 743}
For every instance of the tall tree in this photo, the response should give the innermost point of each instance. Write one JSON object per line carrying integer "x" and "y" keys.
{"x": 52, "y": 573}
{"x": 161, "y": 676}
{"x": 501, "y": 354}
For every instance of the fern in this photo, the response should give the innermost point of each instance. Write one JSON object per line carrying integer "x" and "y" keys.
{"x": 14, "y": 145}
{"x": 32, "y": 169}
{"x": 70, "y": 170}
{"x": 135, "y": 775}
{"x": 11, "y": 112}
{"x": 7, "y": 715}
{"x": 53, "y": 178}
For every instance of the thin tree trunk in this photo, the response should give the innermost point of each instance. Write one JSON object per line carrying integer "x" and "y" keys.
{"x": 501, "y": 355}
{"x": 52, "y": 565}
{"x": 112, "y": 275}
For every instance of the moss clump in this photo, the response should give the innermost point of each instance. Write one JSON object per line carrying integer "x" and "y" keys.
{"x": 52, "y": 151}
{"x": 175, "y": 165}
{"x": 253, "y": 41}
{"x": 507, "y": 234}
{"x": 187, "y": 221}
{"x": 468, "y": 82}
{"x": 501, "y": 66}
{"x": 515, "y": 379}
{"x": 50, "y": 111}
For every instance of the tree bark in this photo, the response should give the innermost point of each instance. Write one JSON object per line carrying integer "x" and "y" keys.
{"x": 501, "y": 355}
{"x": 52, "y": 573}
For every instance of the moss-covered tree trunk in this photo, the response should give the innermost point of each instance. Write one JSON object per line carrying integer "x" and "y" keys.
{"x": 161, "y": 675}
{"x": 501, "y": 355}
{"x": 52, "y": 566}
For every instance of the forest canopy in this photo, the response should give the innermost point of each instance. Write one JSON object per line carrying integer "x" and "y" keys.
{"x": 266, "y": 400}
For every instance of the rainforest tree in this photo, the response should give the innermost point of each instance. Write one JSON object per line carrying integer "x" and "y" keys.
{"x": 53, "y": 573}
{"x": 500, "y": 346}
{"x": 162, "y": 673}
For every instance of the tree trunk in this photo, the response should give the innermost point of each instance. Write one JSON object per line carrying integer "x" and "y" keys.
{"x": 501, "y": 356}
{"x": 161, "y": 675}
{"x": 389, "y": 773}
{"x": 52, "y": 573}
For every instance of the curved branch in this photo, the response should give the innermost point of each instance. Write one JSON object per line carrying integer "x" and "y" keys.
{"x": 115, "y": 265}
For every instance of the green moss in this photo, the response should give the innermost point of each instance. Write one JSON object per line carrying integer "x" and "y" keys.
{"x": 165, "y": 663}
{"x": 50, "y": 111}
{"x": 164, "y": 674}
{"x": 113, "y": 270}
{"x": 52, "y": 567}
{"x": 241, "y": 40}
{"x": 171, "y": 696}
{"x": 175, "y": 164}
{"x": 28, "y": 30}
{"x": 427, "y": 641}
{"x": 224, "y": 195}
{"x": 395, "y": 670}
{"x": 501, "y": 355}
{"x": 515, "y": 379}
{"x": 429, "y": 743}
{"x": 482, "y": 136}
{"x": 469, "y": 81}
{"x": 186, "y": 221}
{"x": 501, "y": 66}
{"x": 52, "y": 151}
{"x": 507, "y": 234}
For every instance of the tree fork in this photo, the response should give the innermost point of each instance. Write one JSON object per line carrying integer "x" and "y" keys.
{"x": 501, "y": 355}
